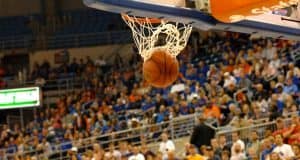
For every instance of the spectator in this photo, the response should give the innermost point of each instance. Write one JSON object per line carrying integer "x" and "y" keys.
{"x": 98, "y": 152}
{"x": 211, "y": 155}
{"x": 74, "y": 66}
{"x": 211, "y": 111}
{"x": 254, "y": 143}
{"x": 228, "y": 80}
{"x": 290, "y": 87}
{"x": 252, "y": 154}
{"x": 215, "y": 147}
{"x": 193, "y": 155}
{"x": 166, "y": 145}
{"x": 267, "y": 148}
{"x": 238, "y": 146}
{"x": 293, "y": 132}
{"x": 112, "y": 153}
{"x": 284, "y": 150}
{"x": 281, "y": 129}
{"x": 237, "y": 152}
{"x": 296, "y": 150}
{"x": 40, "y": 81}
{"x": 225, "y": 155}
{"x": 224, "y": 146}
{"x": 73, "y": 154}
{"x": 136, "y": 154}
{"x": 171, "y": 156}
{"x": 274, "y": 156}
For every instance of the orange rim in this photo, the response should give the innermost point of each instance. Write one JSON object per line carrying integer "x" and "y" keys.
{"x": 141, "y": 20}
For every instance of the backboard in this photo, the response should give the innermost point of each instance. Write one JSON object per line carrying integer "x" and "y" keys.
{"x": 267, "y": 18}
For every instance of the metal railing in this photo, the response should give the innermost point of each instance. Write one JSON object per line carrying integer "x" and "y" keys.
{"x": 66, "y": 41}
{"x": 261, "y": 129}
{"x": 177, "y": 127}
{"x": 24, "y": 41}
{"x": 88, "y": 39}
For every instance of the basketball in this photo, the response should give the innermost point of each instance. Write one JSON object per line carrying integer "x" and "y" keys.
{"x": 161, "y": 70}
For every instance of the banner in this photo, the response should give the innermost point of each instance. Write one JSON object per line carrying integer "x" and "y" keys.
{"x": 229, "y": 11}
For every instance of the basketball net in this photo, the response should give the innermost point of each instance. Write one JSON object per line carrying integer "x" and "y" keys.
{"x": 147, "y": 32}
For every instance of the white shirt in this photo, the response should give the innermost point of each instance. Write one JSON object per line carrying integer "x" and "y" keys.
{"x": 115, "y": 154}
{"x": 269, "y": 53}
{"x": 284, "y": 151}
{"x": 275, "y": 63}
{"x": 100, "y": 62}
{"x": 137, "y": 157}
{"x": 242, "y": 144}
{"x": 228, "y": 81}
{"x": 239, "y": 156}
{"x": 164, "y": 147}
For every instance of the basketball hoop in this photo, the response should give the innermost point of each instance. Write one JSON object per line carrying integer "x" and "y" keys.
{"x": 147, "y": 32}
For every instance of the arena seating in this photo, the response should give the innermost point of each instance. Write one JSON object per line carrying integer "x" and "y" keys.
{"x": 74, "y": 28}
{"x": 14, "y": 32}
{"x": 214, "y": 79}
{"x": 90, "y": 21}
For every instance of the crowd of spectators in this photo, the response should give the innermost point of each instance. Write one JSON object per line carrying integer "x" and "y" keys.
{"x": 278, "y": 142}
{"x": 250, "y": 80}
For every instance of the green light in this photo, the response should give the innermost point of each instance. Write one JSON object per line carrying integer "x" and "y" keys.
{"x": 19, "y": 98}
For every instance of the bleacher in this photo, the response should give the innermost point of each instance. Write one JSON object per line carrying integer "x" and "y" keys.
{"x": 14, "y": 32}
{"x": 77, "y": 28}
{"x": 90, "y": 21}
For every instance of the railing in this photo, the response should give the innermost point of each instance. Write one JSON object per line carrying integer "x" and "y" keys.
{"x": 261, "y": 129}
{"x": 80, "y": 40}
{"x": 16, "y": 42}
{"x": 66, "y": 41}
{"x": 177, "y": 128}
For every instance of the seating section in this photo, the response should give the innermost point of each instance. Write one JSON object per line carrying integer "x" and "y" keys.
{"x": 90, "y": 21}
{"x": 14, "y": 32}
{"x": 73, "y": 29}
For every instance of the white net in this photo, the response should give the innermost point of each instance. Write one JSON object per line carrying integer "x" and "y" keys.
{"x": 151, "y": 34}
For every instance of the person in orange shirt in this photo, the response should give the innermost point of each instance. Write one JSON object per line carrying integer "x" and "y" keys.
{"x": 293, "y": 133}
{"x": 245, "y": 66}
{"x": 193, "y": 155}
{"x": 281, "y": 129}
{"x": 104, "y": 108}
{"x": 212, "y": 111}
{"x": 133, "y": 97}
{"x": 230, "y": 66}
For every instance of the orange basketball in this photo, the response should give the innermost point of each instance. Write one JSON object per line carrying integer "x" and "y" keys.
{"x": 161, "y": 70}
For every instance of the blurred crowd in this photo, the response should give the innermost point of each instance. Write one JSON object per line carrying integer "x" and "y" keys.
{"x": 273, "y": 142}
{"x": 224, "y": 76}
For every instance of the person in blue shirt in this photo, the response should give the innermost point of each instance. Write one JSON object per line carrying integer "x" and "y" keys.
{"x": 290, "y": 87}
{"x": 269, "y": 147}
{"x": 119, "y": 107}
{"x": 170, "y": 100}
{"x": 184, "y": 108}
{"x": 202, "y": 68}
{"x": 160, "y": 117}
{"x": 12, "y": 147}
{"x": 148, "y": 104}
